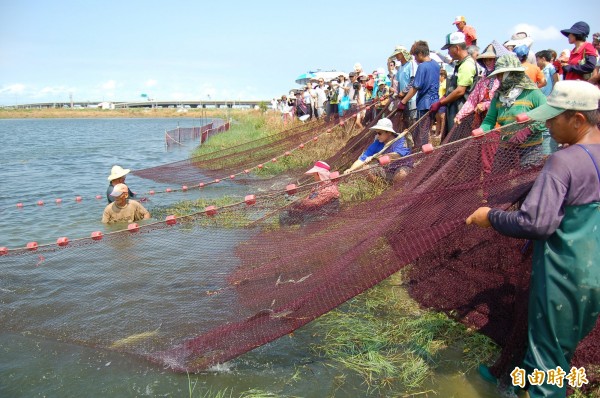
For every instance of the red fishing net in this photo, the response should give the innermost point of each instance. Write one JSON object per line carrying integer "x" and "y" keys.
{"x": 213, "y": 286}
{"x": 183, "y": 135}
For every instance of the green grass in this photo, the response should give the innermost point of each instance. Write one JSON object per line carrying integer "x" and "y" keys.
{"x": 358, "y": 189}
{"x": 234, "y": 217}
{"x": 245, "y": 128}
{"x": 384, "y": 337}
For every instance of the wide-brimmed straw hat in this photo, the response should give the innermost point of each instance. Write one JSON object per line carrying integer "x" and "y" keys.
{"x": 398, "y": 50}
{"x": 577, "y": 95}
{"x": 520, "y": 38}
{"x": 493, "y": 50}
{"x": 507, "y": 63}
{"x": 117, "y": 172}
{"x": 384, "y": 124}
{"x": 488, "y": 53}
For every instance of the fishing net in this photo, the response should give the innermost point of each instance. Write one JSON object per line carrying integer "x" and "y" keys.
{"x": 182, "y": 135}
{"x": 246, "y": 160}
{"x": 227, "y": 279}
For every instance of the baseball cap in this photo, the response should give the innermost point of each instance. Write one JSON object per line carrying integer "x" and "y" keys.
{"x": 454, "y": 38}
{"x": 521, "y": 51}
{"x": 119, "y": 190}
{"x": 459, "y": 19}
{"x": 575, "y": 95}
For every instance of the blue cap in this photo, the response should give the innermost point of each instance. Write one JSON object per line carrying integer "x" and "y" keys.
{"x": 521, "y": 51}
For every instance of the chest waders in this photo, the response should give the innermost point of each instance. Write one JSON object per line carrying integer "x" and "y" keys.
{"x": 451, "y": 84}
{"x": 564, "y": 296}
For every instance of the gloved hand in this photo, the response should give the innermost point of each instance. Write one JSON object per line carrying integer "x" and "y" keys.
{"x": 520, "y": 136}
{"x": 401, "y": 106}
{"x": 436, "y": 106}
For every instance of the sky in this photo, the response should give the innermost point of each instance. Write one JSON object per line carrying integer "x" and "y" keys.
{"x": 235, "y": 50}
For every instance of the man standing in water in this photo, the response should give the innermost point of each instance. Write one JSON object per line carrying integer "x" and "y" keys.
{"x": 562, "y": 215}
{"x": 123, "y": 209}
{"x": 117, "y": 176}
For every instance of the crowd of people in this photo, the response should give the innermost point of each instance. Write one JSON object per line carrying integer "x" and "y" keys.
{"x": 463, "y": 80}
{"x": 560, "y": 94}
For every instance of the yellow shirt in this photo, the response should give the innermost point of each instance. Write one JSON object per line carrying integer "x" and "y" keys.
{"x": 442, "y": 89}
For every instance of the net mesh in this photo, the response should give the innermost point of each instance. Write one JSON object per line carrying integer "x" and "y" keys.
{"x": 213, "y": 286}
{"x": 240, "y": 160}
{"x": 182, "y": 135}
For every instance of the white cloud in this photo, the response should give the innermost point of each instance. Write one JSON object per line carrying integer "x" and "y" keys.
{"x": 150, "y": 83}
{"x": 51, "y": 91}
{"x": 109, "y": 85}
{"x": 537, "y": 33}
{"x": 13, "y": 89}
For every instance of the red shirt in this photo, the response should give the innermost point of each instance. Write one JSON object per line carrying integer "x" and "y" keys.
{"x": 558, "y": 66}
{"x": 470, "y": 34}
{"x": 577, "y": 56}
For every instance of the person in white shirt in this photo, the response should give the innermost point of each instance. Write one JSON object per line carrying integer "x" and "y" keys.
{"x": 321, "y": 98}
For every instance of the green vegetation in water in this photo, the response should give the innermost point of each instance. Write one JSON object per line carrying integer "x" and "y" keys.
{"x": 226, "y": 217}
{"x": 225, "y": 393}
{"x": 385, "y": 337}
{"x": 232, "y": 212}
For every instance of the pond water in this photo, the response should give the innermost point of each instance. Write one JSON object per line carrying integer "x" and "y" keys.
{"x": 64, "y": 158}
{"x": 47, "y": 159}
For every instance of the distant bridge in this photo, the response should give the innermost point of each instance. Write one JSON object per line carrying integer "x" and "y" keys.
{"x": 146, "y": 104}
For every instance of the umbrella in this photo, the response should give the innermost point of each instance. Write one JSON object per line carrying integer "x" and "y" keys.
{"x": 319, "y": 74}
{"x": 305, "y": 78}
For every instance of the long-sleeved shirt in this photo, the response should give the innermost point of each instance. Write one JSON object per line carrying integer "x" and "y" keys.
{"x": 568, "y": 178}
{"x": 482, "y": 93}
{"x": 501, "y": 115}
{"x": 578, "y": 67}
{"x": 398, "y": 147}
{"x": 323, "y": 193}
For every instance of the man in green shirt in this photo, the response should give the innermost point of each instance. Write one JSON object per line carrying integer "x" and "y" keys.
{"x": 460, "y": 85}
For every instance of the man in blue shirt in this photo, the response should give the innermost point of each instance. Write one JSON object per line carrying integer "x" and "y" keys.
{"x": 387, "y": 143}
{"x": 426, "y": 86}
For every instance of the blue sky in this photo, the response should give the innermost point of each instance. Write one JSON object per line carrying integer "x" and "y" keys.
{"x": 187, "y": 50}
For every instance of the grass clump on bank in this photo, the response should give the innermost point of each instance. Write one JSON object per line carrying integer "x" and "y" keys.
{"x": 93, "y": 113}
{"x": 246, "y": 127}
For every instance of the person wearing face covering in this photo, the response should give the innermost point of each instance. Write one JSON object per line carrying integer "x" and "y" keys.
{"x": 481, "y": 97}
{"x": 516, "y": 94}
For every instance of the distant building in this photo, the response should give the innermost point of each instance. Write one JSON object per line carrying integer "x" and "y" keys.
{"x": 106, "y": 105}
